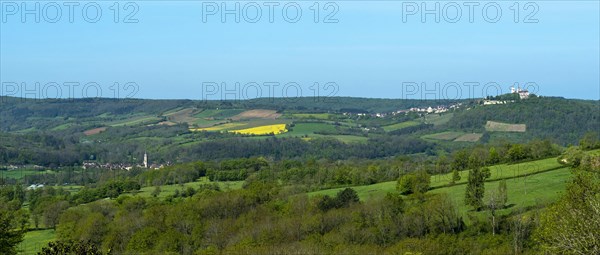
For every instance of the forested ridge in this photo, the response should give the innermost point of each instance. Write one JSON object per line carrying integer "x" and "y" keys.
{"x": 559, "y": 119}
{"x": 51, "y": 132}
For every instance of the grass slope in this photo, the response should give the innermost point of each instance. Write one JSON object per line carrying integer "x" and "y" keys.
{"x": 446, "y": 136}
{"x": 36, "y": 239}
{"x": 498, "y": 172}
{"x": 400, "y": 125}
{"x": 523, "y": 192}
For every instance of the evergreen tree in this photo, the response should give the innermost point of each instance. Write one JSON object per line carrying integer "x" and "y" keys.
{"x": 9, "y": 236}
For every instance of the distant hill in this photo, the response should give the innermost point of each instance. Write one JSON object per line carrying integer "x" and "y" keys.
{"x": 66, "y": 132}
{"x": 559, "y": 119}
{"x": 19, "y": 113}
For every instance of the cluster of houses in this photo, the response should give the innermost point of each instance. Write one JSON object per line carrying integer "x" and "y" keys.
{"x": 434, "y": 109}
{"x": 122, "y": 166}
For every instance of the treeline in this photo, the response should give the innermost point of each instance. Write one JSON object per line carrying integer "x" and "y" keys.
{"x": 39, "y": 148}
{"x": 110, "y": 189}
{"x": 289, "y": 148}
{"x": 52, "y": 150}
{"x": 260, "y": 218}
{"x": 224, "y": 170}
{"x": 503, "y": 153}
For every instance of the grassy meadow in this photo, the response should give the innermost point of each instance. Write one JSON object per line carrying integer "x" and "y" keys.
{"x": 528, "y": 171}
{"x": 34, "y": 240}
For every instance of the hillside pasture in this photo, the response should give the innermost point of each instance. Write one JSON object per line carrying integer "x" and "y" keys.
{"x": 400, "y": 125}
{"x": 94, "y": 131}
{"x": 19, "y": 174}
{"x": 316, "y": 116}
{"x": 473, "y": 137}
{"x": 182, "y": 116}
{"x": 135, "y": 120}
{"x": 444, "y": 136}
{"x": 212, "y": 117}
{"x": 35, "y": 240}
{"x": 525, "y": 191}
{"x": 438, "y": 119}
{"x": 498, "y": 172}
{"x": 504, "y": 127}
{"x": 257, "y": 114}
{"x": 309, "y": 128}
{"x": 217, "y": 113}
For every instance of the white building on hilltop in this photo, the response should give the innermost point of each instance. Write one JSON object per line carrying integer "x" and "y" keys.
{"x": 523, "y": 93}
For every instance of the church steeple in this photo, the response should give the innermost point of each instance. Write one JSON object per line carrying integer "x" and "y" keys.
{"x": 145, "y": 160}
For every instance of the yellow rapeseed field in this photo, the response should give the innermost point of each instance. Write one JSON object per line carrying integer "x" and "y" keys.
{"x": 219, "y": 127}
{"x": 263, "y": 130}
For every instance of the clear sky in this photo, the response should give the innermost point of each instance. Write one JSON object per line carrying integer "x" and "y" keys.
{"x": 383, "y": 49}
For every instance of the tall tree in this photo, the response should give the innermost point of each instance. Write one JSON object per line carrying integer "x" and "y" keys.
{"x": 9, "y": 236}
{"x": 461, "y": 160}
{"x": 494, "y": 157}
{"x": 476, "y": 187}
{"x": 502, "y": 193}
{"x": 455, "y": 176}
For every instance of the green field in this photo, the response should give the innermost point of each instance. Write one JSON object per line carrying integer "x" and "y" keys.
{"x": 302, "y": 129}
{"x": 317, "y": 116}
{"x": 498, "y": 172}
{"x": 20, "y": 174}
{"x": 523, "y": 192}
{"x": 473, "y": 137}
{"x": 62, "y": 127}
{"x": 34, "y": 241}
{"x": 308, "y": 129}
{"x": 437, "y": 119}
{"x": 400, "y": 125}
{"x": 445, "y": 136}
{"x": 134, "y": 120}
{"x": 218, "y": 113}
{"x": 212, "y": 117}
{"x": 505, "y": 127}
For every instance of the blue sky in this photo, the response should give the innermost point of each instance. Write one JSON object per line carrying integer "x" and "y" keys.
{"x": 171, "y": 52}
